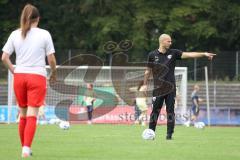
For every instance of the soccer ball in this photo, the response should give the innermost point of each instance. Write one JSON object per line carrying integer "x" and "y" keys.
{"x": 54, "y": 121}
{"x": 148, "y": 134}
{"x": 64, "y": 125}
{"x": 42, "y": 122}
{"x": 199, "y": 125}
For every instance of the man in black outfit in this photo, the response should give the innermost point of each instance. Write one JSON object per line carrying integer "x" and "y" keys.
{"x": 164, "y": 79}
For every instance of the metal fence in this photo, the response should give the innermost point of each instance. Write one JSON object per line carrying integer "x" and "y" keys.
{"x": 224, "y": 67}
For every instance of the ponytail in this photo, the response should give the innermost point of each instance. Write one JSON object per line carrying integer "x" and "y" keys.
{"x": 140, "y": 85}
{"x": 30, "y": 14}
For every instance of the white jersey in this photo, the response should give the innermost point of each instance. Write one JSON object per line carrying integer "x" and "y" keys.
{"x": 141, "y": 100}
{"x": 89, "y": 97}
{"x": 31, "y": 51}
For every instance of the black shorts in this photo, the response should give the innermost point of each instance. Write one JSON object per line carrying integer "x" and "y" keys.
{"x": 195, "y": 110}
{"x": 90, "y": 108}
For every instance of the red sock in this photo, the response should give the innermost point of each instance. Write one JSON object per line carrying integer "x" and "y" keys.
{"x": 30, "y": 130}
{"x": 21, "y": 128}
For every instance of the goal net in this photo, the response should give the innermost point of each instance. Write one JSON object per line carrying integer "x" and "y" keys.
{"x": 114, "y": 87}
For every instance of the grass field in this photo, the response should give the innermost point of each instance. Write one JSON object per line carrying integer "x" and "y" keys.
{"x": 123, "y": 142}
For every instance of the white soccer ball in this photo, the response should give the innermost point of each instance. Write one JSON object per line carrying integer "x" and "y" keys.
{"x": 148, "y": 134}
{"x": 64, "y": 125}
{"x": 54, "y": 121}
{"x": 199, "y": 125}
{"x": 42, "y": 122}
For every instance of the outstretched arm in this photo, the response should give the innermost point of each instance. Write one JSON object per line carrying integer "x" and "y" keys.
{"x": 197, "y": 55}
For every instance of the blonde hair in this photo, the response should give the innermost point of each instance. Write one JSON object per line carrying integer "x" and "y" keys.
{"x": 140, "y": 84}
{"x": 162, "y": 37}
{"x": 196, "y": 87}
{"x": 30, "y": 14}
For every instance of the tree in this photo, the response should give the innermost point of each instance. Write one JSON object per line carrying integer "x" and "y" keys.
{"x": 88, "y": 24}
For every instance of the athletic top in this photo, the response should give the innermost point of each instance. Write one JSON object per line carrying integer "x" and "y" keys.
{"x": 31, "y": 51}
{"x": 168, "y": 60}
{"x": 141, "y": 99}
{"x": 90, "y": 97}
{"x": 194, "y": 96}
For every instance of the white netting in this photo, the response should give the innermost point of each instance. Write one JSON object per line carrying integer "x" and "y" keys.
{"x": 112, "y": 85}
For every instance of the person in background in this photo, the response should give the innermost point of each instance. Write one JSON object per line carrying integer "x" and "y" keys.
{"x": 141, "y": 104}
{"x": 89, "y": 98}
{"x": 196, "y": 100}
{"x": 41, "y": 115}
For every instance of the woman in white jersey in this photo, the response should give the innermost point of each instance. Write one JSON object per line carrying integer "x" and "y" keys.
{"x": 141, "y": 103}
{"x": 31, "y": 45}
{"x": 89, "y": 98}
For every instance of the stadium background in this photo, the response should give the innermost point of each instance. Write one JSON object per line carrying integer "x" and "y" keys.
{"x": 84, "y": 26}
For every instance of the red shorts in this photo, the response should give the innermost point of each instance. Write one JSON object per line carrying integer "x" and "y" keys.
{"x": 30, "y": 89}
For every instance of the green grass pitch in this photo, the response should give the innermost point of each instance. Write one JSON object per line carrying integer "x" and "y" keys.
{"x": 123, "y": 142}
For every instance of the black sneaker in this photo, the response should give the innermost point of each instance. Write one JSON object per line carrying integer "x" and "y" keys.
{"x": 169, "y": 137}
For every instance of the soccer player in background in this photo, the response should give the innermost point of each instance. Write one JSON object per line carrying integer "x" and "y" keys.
{"x": 141, "y": 104}
{"x": 166, "y": 57}
{"x": 41, "y": 115}
{"x": 195, "y": 103}
{"x": 31, "y": 45}
{"x": 89, "y": 98}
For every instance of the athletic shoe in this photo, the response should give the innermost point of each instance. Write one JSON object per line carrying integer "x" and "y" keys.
{"x": 143, "y": 123}
{"x": 169, "y": 137}
{"x": 25, "y": 155}
{"x": 89, "y": 122}
{"x": 26, "y": 152}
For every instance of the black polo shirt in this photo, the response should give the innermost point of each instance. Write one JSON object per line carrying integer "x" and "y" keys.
{"x": 167, "y": 62}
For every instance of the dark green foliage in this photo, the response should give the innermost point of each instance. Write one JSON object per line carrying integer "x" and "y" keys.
{"x": 195, "y": 25}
